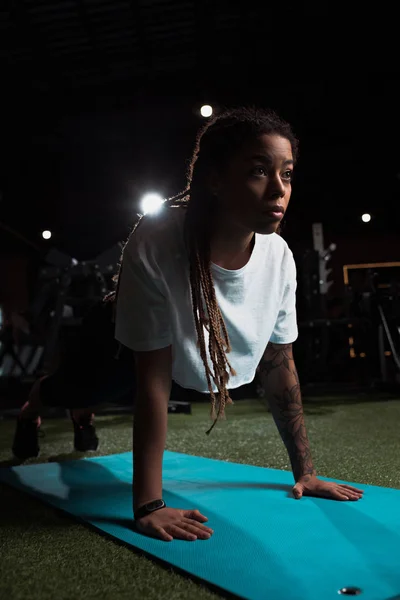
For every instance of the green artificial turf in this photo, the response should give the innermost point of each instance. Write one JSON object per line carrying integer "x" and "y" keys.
{"x": 48, "y": 556}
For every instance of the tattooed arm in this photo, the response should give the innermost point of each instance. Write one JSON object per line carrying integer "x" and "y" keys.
{"x": 280, "y": 381}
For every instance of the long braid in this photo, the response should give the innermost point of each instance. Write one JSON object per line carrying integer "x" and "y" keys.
{"x": 218, "y": 347}
{"x": 203, "y": 293}
{"x": 199, "y": 319}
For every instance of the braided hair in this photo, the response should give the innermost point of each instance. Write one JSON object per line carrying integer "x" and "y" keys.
{"x": 220, "y": 139}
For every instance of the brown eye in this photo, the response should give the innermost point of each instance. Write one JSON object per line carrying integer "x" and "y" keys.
{"x": 288, "y": 175}
{"x": 259, "y": 172}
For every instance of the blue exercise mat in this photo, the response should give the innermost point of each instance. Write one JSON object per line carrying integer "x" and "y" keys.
{"x": 266, "y": 545}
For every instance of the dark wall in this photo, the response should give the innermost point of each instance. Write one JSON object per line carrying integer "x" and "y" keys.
{"x": 14, "y": 286}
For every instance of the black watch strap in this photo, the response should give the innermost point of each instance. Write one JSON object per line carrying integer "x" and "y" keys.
{"x": 149, "y": 508}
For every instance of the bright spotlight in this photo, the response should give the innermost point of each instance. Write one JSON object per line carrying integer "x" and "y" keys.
{"x": 46, "y": 235}
{"x": 151, "y": 203}
{"x": 366, "y": 218}
{"x": 206, "y": 111}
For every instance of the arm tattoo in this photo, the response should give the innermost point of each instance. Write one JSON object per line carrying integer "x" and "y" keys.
{"x": 276, "y": 355}
{"x": 280, "y": 380}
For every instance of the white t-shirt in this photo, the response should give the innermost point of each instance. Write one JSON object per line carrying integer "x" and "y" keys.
{"x": 154, "y": 306}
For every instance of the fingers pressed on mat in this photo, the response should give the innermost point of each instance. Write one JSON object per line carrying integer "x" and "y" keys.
{"x": 351, "y": 495}
{"x": 177, "y": 532}
{"x": 197, "y": 525}
{"x": 163, "y": 535}
{"x": 197, "y": 531}
{"x": 194, "y": 514}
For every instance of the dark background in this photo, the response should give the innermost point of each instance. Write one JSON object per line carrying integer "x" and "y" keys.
{"x": 100, "y": 104}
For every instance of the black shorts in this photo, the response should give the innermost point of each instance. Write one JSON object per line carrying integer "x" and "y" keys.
{"x": 92, "y": 371}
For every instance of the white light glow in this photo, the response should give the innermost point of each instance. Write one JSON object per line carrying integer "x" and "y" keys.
{"x": 151, "y": 203}
{"x": 46, "y": 235}
{"x": 206, "y": 111}
{"x": 366, "y": 218}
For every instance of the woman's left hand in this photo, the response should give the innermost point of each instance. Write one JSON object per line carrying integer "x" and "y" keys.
{"x": 310, "y": 485}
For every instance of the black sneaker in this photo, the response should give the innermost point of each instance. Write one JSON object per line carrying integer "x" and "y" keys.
{"x": 26, "y": 444}
{"x": 85, "y": 438}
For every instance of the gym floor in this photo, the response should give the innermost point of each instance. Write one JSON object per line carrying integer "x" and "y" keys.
{"x": 47, "y": 555}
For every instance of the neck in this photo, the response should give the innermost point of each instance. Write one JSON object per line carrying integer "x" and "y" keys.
{"x": 231, "y": 247}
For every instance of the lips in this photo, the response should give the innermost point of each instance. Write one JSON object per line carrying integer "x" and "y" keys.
{"x": 274, "y": 209}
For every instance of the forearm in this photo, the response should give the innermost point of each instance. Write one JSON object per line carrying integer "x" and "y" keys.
{"x": 149, "y": 437}
{"x": 280, "y": 381}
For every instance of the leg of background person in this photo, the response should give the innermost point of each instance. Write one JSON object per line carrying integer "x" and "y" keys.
{"x": 33, "y": 407}
{"x": 85, "y": 415}
{"x": 25, "y": 443}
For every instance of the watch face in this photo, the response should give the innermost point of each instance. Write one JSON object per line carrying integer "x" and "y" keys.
{"x": 155, "y": 505}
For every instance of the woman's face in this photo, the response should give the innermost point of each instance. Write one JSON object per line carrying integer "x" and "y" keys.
{"x": 257, "y": 180}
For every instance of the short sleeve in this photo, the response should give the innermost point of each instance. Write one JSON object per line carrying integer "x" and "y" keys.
{"x": 142, "y": 314}
{"x": 285, "y": 330}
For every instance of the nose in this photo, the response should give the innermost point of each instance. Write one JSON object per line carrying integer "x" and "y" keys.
{"x": 275, "y": 188}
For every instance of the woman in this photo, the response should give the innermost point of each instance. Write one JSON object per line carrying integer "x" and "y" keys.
{"x": 207, "y": 291}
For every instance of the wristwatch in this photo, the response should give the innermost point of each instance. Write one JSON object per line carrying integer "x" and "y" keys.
{"x": 149, "y": 508}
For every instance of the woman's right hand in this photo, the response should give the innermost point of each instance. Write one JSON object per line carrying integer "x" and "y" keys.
{"x": 169, "y": 523}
